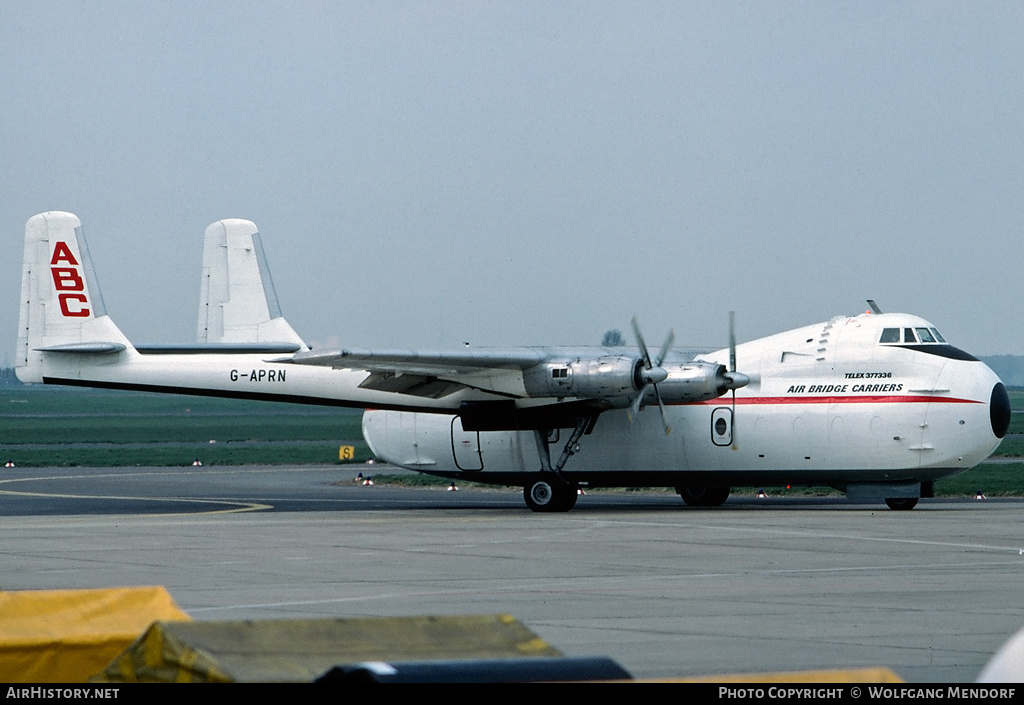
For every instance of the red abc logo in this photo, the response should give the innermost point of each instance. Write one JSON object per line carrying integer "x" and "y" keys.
{"x": 68, "y": 279}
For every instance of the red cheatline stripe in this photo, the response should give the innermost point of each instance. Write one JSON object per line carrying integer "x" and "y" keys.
{"x": 859, "y": 399}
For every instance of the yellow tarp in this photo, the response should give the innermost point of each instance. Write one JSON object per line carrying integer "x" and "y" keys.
{"x": 66, "y": 636}
{"x": 302, "y": 650}
{"x": 872, "y": 674}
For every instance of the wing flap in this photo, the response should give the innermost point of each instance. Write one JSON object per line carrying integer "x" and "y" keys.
{"x": 416, "y": 385}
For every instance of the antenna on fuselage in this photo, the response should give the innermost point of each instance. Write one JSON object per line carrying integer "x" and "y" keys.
{"x": 874, "y": 306}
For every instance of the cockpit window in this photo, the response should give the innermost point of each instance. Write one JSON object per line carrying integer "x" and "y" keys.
{"x": 890, "y": 335}
{"x": 911, "y": 336}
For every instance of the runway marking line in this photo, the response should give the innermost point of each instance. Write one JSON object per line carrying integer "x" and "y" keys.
{"x": 238, "y": 507}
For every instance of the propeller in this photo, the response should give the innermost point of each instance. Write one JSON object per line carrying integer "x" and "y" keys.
{"x": 733, "y": 379}
{"x": 651, "y": 373}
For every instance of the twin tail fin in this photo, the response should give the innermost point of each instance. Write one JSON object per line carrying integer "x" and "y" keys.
{"x": 62, "y": 309}
{"x": 62, "y": 315}
{"x": 237, "y": 300}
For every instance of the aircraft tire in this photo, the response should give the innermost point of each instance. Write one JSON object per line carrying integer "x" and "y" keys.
{"x": 569, "y": 501}
{"x": 549, "y": 494}
{"x": 700, "y": 496}
{"x": 901, "y": 504}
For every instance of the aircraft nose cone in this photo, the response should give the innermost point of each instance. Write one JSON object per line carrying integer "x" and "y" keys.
{"x": 999, "y": 410}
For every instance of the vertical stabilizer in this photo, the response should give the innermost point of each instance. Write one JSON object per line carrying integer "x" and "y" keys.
{"x": 237, "y": 300}
{"x": 61, "y": 306}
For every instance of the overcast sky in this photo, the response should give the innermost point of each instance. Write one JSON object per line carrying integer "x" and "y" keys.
{"x": 529, "y": 173}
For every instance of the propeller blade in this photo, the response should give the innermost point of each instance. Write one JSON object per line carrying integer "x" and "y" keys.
{"x": 735, "y": 445}
{"x": 661, "y": 405}
{"x": 665, "y": 347}
{"x": 734, "y": 379}
{"x": 643, "y": 346}
{"x": 634, "y": 408}
{"x": 732, "y": 341}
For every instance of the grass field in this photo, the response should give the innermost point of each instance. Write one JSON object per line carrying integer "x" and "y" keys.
{"x": 62, "y": 427}
{"x": 52, "y": 426}
{"x": 1017, "y": 404}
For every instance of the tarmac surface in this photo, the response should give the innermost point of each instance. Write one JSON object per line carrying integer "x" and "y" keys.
{"x": 758, "y": 585}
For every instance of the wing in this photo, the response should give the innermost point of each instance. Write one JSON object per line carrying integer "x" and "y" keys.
{"x": 436, "y": 373}
{"x": 601, "y": 377}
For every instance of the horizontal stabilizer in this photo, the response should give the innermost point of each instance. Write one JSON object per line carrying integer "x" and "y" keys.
{"x": 85, "y": 348}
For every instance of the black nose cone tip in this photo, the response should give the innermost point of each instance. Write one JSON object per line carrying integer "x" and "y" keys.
{"x": 999, "y": 410}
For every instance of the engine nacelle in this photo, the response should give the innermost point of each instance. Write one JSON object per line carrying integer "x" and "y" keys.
{"x": 690, "y": 382}
{"x": 616, "y": 380}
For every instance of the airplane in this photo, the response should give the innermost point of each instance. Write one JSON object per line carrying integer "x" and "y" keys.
{"x": 877, "y": 405}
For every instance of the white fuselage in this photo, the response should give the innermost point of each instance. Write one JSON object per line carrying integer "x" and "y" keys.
{"x": 827, "y": 404}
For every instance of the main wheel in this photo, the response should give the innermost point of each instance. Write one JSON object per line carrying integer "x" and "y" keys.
{"x": 700, "y": 496}
{"x": 901, "y": 504}
{"x": 549, "y": 494}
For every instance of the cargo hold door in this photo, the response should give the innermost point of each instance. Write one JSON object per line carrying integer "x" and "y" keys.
{"x": 466, "y": 447}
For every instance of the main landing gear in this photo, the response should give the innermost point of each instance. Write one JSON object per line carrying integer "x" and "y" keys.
{"x": 549, "y": 493}
{"x": 549, "y": 490}
{"x": 700, "y": 496}
{"x": 901, "y": 504}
